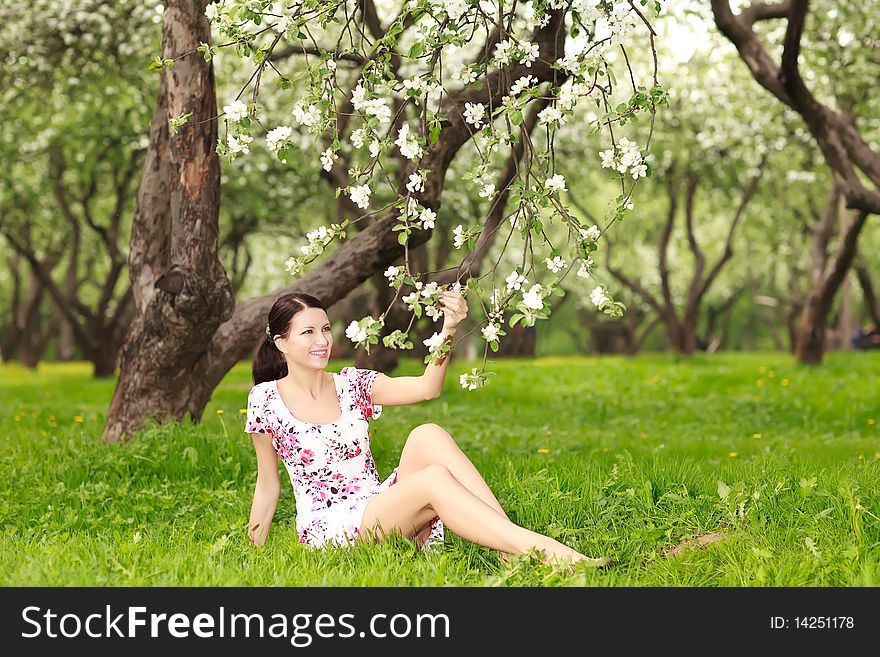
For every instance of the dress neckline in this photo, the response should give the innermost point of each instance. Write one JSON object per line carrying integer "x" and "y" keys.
{"x": 314, "y": 424}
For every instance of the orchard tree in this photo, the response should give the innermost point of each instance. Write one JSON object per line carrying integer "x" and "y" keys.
{"x": 388, "y": 95}
{"x": 827, "y": 74}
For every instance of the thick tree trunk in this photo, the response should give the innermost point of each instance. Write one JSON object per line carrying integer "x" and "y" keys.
{"x": 182, "y": 291}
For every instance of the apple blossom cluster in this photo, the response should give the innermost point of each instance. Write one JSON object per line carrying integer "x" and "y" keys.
{"x": 623, "y": 157}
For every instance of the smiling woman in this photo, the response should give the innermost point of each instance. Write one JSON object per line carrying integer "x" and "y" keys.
{"x": 317, "y": 424}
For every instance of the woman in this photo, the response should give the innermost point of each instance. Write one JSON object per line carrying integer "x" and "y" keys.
{"x": 316, "y": 423}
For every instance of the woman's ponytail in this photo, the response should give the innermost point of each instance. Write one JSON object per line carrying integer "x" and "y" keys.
{"x": 269, "y": 363}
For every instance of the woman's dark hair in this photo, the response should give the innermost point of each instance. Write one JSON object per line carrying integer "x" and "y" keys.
{"x": 269, "y": 363}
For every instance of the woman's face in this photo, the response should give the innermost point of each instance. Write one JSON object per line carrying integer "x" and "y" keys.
{"x": 309, "y": 341}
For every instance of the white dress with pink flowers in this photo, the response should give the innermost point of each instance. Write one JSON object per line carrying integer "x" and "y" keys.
{"x": 330, "y": 465}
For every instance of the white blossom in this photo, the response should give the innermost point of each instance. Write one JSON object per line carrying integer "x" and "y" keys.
{"x": 530, "y": 53}
{"x": 555, "y": 184}
{"x": 276, "y": 137}
{"x": 533, "y": 298}
{"x": 474, "y": 113}
{"x": 599, "y": 297}
{"x": 415, "y": 184}
{"x": 427, "y": 217}
{"x": 591, "y": 233}
{"x": 239, "y": 144}
{"x": 521, "y": 84}
{"x": 515, "y": 281}
{"x": 408, "y": 146}
{"x": 309, "y": 117}
{"x": 502, "y": 52}
{"x": 355, "y": 333}
{"x": 490, "y": 332}
{"x": 550, "y": 115}
{"x": 327, "y": 158}
{"x": 236, "y": 111}
{"x": 357, "y": 137}
{"x": 433, "y": 343}
{"x": 360, "y": 195}
{"x": 555, "y": 264}
{"x": 459, "y": 237}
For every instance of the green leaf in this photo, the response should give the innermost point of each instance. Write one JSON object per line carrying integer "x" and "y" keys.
{"x": 402, "y": 238}
{"x": 723, "y": 489}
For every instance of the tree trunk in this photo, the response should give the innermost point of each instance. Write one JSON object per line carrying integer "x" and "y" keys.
{"x": 182, "y": 290}
{"x": 810, "y": 338}
{"x": 868, "y": 294}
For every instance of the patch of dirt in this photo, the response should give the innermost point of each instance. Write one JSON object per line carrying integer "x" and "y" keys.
{"x": 698, "y": 542}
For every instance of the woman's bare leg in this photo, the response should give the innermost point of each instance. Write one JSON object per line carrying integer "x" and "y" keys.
{"x": 434, "y": 491}
{"x": 430, "y": 443}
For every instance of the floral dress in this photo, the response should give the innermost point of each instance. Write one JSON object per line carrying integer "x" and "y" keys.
{"x": 330, "y": 465}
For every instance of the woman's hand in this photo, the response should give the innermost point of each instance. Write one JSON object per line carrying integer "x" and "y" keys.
{"x": 454, "y": 309}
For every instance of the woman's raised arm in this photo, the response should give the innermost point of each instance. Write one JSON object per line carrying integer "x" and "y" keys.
{"x": 403, "y": 390}
{"x": 267, "y": 490}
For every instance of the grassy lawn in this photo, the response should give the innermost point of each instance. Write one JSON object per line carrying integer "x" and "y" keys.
{"x": 775, "y": 466}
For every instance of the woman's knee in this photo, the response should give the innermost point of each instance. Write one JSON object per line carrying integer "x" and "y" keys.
{"x": 428, "y": 433}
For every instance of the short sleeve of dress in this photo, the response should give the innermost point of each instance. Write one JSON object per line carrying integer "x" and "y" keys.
{"x": 360, "y": 384}
{"x": 256, "y": 411}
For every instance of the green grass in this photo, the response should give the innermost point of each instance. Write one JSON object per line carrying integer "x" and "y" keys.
{"x": 619, "y": 457}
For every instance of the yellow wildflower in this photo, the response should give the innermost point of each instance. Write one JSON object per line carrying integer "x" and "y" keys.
{"x": 732, "y": 455}
{"x": 543, "y": 450}
{"x": 784, "y": 383}
{"x": 242, "y": 411}
{"x": 220, "y": 411}
{"x": 871, "y": 422}
{"x": 78, "y": 418}
{"x": 759, "y": 383}
{"x": 756, "y": 436}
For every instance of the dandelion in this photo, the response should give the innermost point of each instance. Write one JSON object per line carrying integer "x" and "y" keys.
{"x": 543, "y": 450}
{"x": 242, "y": 411}
{"x": 78, "y": 418}
{"x": 220, "y": 411}
{"x": 732, "y": 455}
{"x": 759, "y": 383}
{"x": 756, "y": 436}
{"x": 871, "y": 422}
{"x": 784, "y": 383}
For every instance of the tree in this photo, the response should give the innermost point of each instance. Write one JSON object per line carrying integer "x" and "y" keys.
{"x": 189, "y": 332}
{"x": 850, "y": 157}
